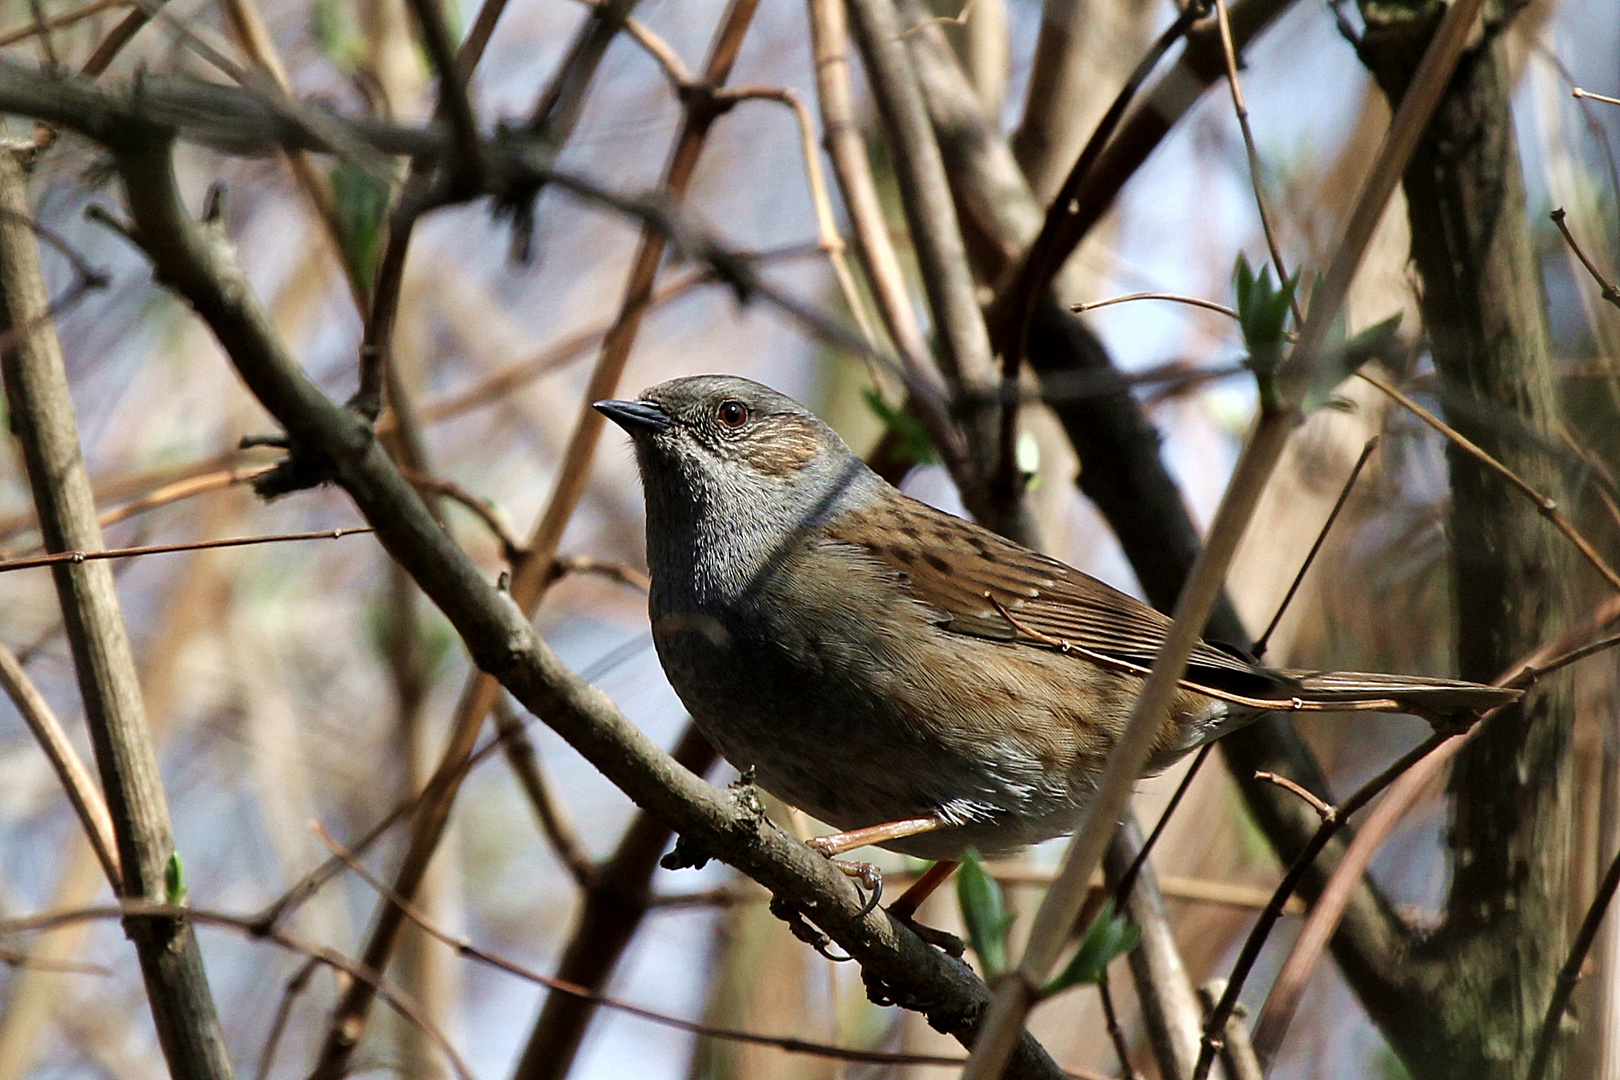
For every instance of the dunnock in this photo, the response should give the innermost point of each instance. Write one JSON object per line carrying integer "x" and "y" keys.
{"x": 898, "y": 672}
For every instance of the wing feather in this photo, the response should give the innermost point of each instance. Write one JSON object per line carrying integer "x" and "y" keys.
{"x": 951, "y": 565}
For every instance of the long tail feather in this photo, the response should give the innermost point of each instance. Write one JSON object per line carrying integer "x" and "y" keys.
{"x": 1414, "y": 692}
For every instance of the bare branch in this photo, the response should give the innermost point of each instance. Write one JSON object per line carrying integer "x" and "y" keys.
{"x": 41, "y": 414}
{"x": 76, "y": 780}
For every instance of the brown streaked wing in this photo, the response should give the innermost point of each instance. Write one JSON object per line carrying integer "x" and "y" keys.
{"x": 950, "y": 564}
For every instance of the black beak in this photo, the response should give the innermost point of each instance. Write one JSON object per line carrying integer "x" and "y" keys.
{"x": 636, "y": 417}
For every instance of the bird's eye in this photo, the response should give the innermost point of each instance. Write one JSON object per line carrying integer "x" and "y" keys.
{"x": 733, "y": 414}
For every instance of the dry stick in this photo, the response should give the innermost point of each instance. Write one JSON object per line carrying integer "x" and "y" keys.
{"x": 137, "y": 911}
{"x": 1255, "y": 182}
{"x": 528, "y": 574}
{"x": 76, "y": 780}
{"x": 1259, "y": 649}
{"x": 131, "y": 482}
{"x": 166, "y": 495}
{"x": 1570, "y": 974}
{"x": 41, "y": 414}
{"x": 1192, "y": 301}
{"x": 464, "y": 948}
{"x": 254, "y": 37}
{"x": 1171, "y": 1014}
{"x": 94, "y": 555}
{"x": 846, "y": 147}
{"x": 1259, "y": 457}
{"x": 23, "y": 33}
{"x": 1032, "y": 279}
{"x": 963, "y": 342}
{"x": 1608, "y": 291}
{"x": 925, "y": 194}
{"x": 1579, "y": 93}
{"x": 555, "y": 825}
{"x": 1547, "y": 507}
{"x": 618, "y": 897}
{"x": 831, "y": 243}
{"x": 1330, "y": 906}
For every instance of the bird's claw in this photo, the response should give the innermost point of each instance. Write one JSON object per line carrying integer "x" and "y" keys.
{"x": 868, "y": 878}
{"x": 943, "y": 940}
{"x": 801, "y": 929}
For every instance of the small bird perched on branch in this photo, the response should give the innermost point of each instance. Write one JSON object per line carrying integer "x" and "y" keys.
{"x": 907, "y": 676}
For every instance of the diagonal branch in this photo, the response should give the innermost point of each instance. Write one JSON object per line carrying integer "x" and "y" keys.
{"x": 504, "y": 644}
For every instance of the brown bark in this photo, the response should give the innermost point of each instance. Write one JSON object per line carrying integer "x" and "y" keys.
{"x": 1495, "y": 959}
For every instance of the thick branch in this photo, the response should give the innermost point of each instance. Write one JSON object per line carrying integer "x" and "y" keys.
{"x": 41, "y": 416}
{"x": 504, "y": 644}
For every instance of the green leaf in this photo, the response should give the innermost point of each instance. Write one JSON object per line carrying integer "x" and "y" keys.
{"x": 1263, "y": 317}
{"x": 174, "y": 880}
{"x": 914, "y": 444}
{"x": 983, "y": 913}
{"x": 361, "y": 201}
{"x": 1110, "y": 936}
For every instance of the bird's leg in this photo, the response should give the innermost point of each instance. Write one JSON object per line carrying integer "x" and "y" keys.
{"x": 864, "y": 872}
{"x": 921, "y": 889}
{"x": 839, "y": 842}
{"x": 905, "y": 908}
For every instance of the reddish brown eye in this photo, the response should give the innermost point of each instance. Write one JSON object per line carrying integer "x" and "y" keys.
{"x": 733, "y": 414}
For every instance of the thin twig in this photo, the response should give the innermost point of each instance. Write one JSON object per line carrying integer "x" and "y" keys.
{"x": 832, "y": 243}
{"x": 1193, "y": 301}
{"x": 1116, "y": 1034}
{"x": 1570, "y": 973}
{"x": 1323, "y": 810}
{"x": 529, "y": 572}
{"x": 481, "y": 508}
{"x": 564, "y": 565}
{"x": 1255, "y": 178}
{"x": 57, "y": 22}
{"x": 1606, "y": 99}
{"x": 1123, "y": 892}
{"x": 1547, "y": 507}
{"x": 1605, "y": 287}
{"x": 555, "y": 824}
{"x": 74, "y": 558}
{"x": 135, "y": 912}
{"x": 70, "y": 769}
{"x": 463, "y": 947}
{"x": 1259, "y": 649}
